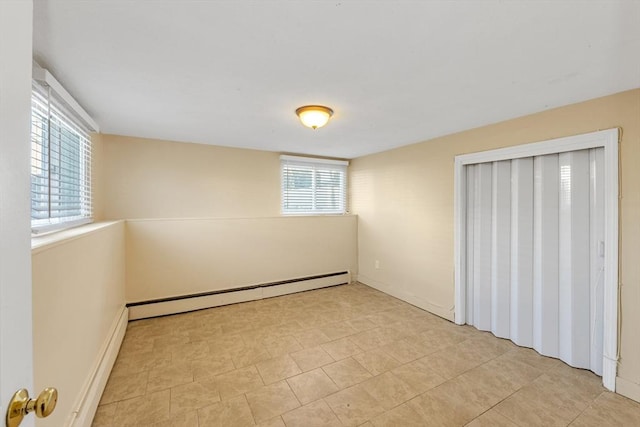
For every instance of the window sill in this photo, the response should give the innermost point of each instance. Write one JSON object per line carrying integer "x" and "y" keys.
{"x": 40, "y": 243}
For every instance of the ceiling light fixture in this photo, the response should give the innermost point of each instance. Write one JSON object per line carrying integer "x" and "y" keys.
{"x": 314, "y": 116}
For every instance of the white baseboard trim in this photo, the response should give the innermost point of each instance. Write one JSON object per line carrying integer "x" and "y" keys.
{"x": 89, "y": 398}
{"x": 231, "y": 296}
{"x": 628, "y": 389}
{"x": 407, "y": 297}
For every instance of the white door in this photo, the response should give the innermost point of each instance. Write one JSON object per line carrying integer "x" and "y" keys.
{"x": 548, "y": 237}
{"x": 16, "y": 358}
{"x": 535, "y": 240}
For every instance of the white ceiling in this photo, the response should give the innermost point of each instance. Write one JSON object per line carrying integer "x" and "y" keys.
{"x": 395, "y": 72}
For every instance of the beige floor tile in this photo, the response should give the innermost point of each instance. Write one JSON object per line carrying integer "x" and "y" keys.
{"x": 337, "y": 330}
{"x": 228, "y": 413}
{"x": 205, "y": 333}
{"x": 491, "y": 418}
{"x": 237, "y": 326}
{"x": 610, "y": 409}
{"x": 346, "y": 372}
{"x": 361, "y": 324}
{"x": 211, "y": 366}
{"x": 167, "y": 342}
{"x": 286, "y": 328}
{"x": 183, "y": 419}
{"x": 277, "y": 369}
{"x": 477, "y": 387}
{"x": 311, "y": 358}
{"x": 190, "y": 351}
{"x": 341, "y": 349}
{"x": 418, "y": 376}
{"x": 133, "y": 363}
{"x": 376, "y": 361}
{"x": 249, "y": 355}
{"x": 126, "y": 387}
{"x": 225, "y": 343}
{"x": 400, "y": 416}
{"x": 373, "y": 338}
{"x": 452, "y": 361}
{"x": 404, "y": 351}
{"x": 340, "y": 337}
{"x": 311, "y": 338}
{"x": 549, "y": 400}
{"x": 354, "y": 406}
{"x": 445, "y": 410}
{"x": 271, "y": 400}
{"x": 583, "y": 384}
{"x": 282, "y": 345}
{"x": 388, "y": 390}
{"x": 131, "y": 345}
{"x": 433, "y": 340}
{"x": 163, "y": 378}
{"x": 143, "y": 410}
{"x": 192, "y": 396}
{"x": 380, "y": 318}
{"x": 238, "y": 382}
{"x": 317, "y": 414}
{"x": 273, "y": 422}
{"x": 312, "y": 385}
{"x": 513, "y": 373}
{"x": 105, "y": 415}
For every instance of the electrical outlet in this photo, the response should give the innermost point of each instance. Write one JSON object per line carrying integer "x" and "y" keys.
{"x": 377, "y": 265}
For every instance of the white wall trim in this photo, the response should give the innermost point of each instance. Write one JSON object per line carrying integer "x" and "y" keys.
{"x": 628, "y": 389}
{"x": 445, "y": 313}
{"x": 89, "y": 398}
{"x": 163, "y": 308}
{"x": 608, "y": 139}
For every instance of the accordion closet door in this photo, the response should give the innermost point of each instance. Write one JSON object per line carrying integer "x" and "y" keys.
{"x": 535, "y": 253}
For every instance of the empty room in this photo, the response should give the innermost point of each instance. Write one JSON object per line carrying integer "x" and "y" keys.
{"x": 319, "y": 213}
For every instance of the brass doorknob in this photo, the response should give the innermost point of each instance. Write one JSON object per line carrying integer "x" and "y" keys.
{"x": 20, "y": 405}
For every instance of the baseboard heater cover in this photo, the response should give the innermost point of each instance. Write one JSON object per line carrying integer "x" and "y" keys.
{"x": 199, "y": 301}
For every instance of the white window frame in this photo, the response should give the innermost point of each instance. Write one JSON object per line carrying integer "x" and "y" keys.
{"x": 80, "y": 119}
{"x": 316, "y": 164}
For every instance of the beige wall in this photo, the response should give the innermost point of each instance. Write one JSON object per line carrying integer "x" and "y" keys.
{"x": 177, "y": 257}
{"x": 145, "y": 178}
{"x": 78, "y": 294}
{"x": 404, "y": 201}
{"x": 203, "y": 218}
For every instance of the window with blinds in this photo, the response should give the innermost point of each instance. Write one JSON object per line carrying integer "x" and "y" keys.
{"x": 313, "y": 186}
{"x": 60, "y": 163}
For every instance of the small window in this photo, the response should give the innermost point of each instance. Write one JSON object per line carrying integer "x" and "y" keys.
{"x": 60, "y": 161}
{"x": 313, "y": 186}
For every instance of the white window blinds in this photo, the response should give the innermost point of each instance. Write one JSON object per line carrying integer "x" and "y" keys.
{"x": 313, "y": 186}
{"x": 60, "y": 162}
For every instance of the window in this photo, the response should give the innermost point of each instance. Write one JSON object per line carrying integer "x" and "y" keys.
{"x": 60, "y": 157}
{"x": 313, "y": 186}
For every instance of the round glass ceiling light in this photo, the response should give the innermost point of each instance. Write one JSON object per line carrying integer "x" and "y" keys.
{"x": 314, "y": 116}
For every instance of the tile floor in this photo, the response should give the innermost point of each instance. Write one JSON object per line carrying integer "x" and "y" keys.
{"x": 347, "y": 355}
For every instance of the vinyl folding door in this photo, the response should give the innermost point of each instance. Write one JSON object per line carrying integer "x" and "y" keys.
{"x": 535, "y": 253}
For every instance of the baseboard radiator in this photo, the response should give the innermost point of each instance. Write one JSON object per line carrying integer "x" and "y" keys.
{"x": 199, "y": 301}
